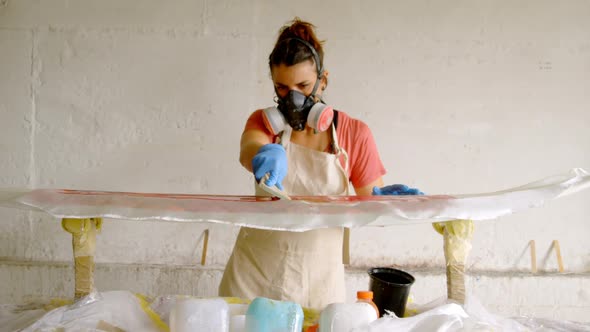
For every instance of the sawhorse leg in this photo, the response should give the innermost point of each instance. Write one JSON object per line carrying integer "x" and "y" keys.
{"x": 84, "y": 245}
{"x": 457, "y": 245}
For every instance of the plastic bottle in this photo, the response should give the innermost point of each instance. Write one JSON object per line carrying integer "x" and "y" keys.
{"x": 266, "y": 315}
{"x": 367, "y": 297}
{"x": 337, "y": 317}
{"x": 199, "y": 315}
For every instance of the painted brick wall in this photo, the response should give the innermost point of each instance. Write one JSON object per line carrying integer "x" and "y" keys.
{"x": 461, "y": 97}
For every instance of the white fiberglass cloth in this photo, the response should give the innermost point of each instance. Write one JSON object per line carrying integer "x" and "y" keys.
{"x": 301, "y": 212}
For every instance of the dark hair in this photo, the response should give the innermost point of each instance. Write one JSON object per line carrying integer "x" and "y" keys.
{"x": 290, "y": 51}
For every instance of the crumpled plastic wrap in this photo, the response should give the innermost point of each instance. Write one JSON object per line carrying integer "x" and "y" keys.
{"x": 442, "y": 315}
{"x": 125, "y": 311}
{"x": 302, "y": 212}
{"x": 106, "y": 311}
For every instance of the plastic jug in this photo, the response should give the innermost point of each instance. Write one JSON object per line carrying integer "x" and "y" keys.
{"x": 199, "y": 315}
{"x": 266, "y": 315}
{"x": 343, "y": 317}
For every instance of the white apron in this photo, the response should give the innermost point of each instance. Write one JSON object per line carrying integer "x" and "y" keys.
{"x": 304, "y": 267}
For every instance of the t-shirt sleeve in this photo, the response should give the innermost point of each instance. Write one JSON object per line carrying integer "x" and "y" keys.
{"x": 256, "y": 122}
{"x": 364, "y": 160}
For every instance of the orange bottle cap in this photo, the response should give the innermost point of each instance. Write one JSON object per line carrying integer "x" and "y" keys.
{"x": 364, "y": 295}
{"x": 312, "y": 328}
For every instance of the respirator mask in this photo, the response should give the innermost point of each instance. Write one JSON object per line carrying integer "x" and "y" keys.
{"x": 297, "y": 109}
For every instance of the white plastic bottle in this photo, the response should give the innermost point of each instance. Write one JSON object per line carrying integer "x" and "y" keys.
{"x": 199, "y": 315}
{"x": 343, "y": 317}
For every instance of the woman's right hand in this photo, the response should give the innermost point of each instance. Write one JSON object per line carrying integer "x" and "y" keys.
{"x": 270, "y": 159}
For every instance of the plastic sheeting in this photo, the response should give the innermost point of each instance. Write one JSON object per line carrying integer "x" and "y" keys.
{"x": 124, "y": 311}
{"x": 302, "y": 212}
{"x": 445, "y": 316}
{"x": 106, "y": 311}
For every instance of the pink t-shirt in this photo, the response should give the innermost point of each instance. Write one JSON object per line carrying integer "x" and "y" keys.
{"x": 355, "y": 137}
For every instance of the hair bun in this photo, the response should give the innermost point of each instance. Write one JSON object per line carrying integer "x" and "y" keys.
{"x": 288, "y": 51}
{"x": 303, "y": 30}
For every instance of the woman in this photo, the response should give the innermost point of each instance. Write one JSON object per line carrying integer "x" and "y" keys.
{"x": 305, "y": 148}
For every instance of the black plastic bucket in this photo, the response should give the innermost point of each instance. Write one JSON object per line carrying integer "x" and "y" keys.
{"x": 390, "y": 289}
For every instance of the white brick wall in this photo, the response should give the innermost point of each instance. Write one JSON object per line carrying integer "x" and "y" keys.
{"x": 152, "y": 96}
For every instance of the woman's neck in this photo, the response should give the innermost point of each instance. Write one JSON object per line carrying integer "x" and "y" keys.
{"x": 309, "y": 138}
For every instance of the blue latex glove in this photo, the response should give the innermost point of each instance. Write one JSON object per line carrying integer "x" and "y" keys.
{"x": 396, "y": 189}
{"x": 271, "y": 159}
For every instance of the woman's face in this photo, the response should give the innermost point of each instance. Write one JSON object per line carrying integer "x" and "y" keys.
{"x": 300, "y": 77}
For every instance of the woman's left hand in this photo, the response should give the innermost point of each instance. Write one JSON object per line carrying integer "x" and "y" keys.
{"x": 396, "y": 189}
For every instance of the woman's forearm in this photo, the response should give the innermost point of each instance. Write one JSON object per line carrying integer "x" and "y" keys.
{"x": 251, "y": 142}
